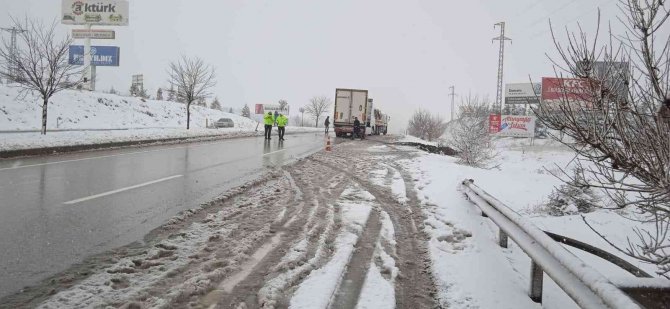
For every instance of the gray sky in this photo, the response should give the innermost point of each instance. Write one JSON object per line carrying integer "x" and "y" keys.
{"x": 407, "y": 53}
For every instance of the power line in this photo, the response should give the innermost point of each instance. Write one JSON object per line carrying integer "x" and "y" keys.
{"x": 13, "y": 67}
{"x": 501, "y": 57}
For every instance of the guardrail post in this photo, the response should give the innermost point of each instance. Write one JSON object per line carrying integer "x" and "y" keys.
{"x": 502, "y": 238}
{"x": 536, "y": 275}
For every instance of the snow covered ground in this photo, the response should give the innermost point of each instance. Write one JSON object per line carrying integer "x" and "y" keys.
{"x": 412, "y": 139}
{"x": 82, "y": 118}
{"x": 471, "y": 270}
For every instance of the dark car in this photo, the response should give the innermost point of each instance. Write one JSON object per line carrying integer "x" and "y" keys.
{"x": 224, "y": 123}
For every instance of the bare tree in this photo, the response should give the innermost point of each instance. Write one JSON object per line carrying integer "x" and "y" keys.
{"x": 39, "y": 63}
{"x": 283, "y": 105}
{"x": 193, "y": 79}
{"x": 246, "y": 112}
{"x": 317, "y": 106}
{"x": 469, "y": 133}
{"x": 216, "y": 104}
{"x": 618, "y": 123}
{"x": 426, "y": 126}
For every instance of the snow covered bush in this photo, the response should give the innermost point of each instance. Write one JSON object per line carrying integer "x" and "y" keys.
{"x": 469, "y": 134}
{"x": 572, "y": 198}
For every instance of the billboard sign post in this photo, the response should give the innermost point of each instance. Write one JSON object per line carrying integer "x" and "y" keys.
{"x": 100, "y": 55}
{"x": 523, "y": 93}
{"x": 95, "y": 12}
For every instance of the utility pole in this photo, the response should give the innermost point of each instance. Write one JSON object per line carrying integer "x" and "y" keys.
{"x": 452, "y": 94}
{"x": 13, "y": 69}
{"x": 501, "y": 56}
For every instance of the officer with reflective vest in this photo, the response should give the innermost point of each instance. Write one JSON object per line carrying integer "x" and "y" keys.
{"x": 282, "y": 121}
{"x": 268, "y": 120}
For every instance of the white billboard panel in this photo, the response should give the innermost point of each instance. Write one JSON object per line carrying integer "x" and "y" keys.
{"x": 517, "y": 126}
{"x": 523, "y": 93}
{"x": 93, "y": 34}
{"x": 95, "y": 12}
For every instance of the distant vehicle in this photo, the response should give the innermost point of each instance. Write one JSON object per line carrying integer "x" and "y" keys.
{"x": 350, "y": 104}
{"x": 224, "y": 123}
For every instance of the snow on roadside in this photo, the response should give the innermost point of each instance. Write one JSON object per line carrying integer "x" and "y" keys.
{"x": 121, "y": 282}
{"x": 412, "y": 139}
{"x": 379, "y": 287}
{"x": 318, "y": 289}
{"x": 471, "y": 270}
{"x": 94, "y": 110}
{"x": 32, "y": 140}
{"x": 85, "y": 118}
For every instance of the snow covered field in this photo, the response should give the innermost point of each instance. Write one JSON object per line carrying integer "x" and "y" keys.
{"x": 470, "y": 268}
{"x": 83, "y": 118}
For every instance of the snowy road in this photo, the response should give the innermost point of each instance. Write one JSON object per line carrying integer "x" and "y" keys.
{"x": 56, "y": 211}
{"x": 341, "y": 229}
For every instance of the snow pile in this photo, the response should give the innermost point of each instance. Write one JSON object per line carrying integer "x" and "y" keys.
{"x": 470, "y": 268}
{"x": 72, "y": 109}
{"x": 412, "y": 139}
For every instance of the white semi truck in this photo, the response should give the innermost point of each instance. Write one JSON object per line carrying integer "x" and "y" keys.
{"x": 349, "y": 105}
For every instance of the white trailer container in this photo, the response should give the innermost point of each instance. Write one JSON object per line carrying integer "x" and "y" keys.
{"x": 349, "y": 105}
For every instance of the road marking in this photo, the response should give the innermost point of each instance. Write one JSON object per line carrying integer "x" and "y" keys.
{"x": 269, "y": 153}
{"x": 84, "y": 159}
{"x": 83, "y": 199}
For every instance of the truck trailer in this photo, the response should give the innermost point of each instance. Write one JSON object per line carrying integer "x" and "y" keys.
{"x": 350, "y": 104}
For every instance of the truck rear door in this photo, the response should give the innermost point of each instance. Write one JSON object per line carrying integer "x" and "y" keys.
{"x": 342, "y": 106}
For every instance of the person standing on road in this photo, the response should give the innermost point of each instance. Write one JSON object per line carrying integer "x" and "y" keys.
{"x": 276, "y": 116}
{"x": 282, "y": 121}
{"x": 268, "y": 120}
{"x": 327, "y": 123}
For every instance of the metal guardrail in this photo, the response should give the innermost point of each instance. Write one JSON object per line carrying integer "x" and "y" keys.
{"x": 587, "y": 287}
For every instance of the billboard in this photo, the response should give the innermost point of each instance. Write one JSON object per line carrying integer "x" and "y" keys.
{"x": 95, "y": 12}
{"x": 104, "y": 56}
{"x": 494, "y": 123}
{"x": 574, "y": 89}
{"x": 517, "y": 126}
{"x": 264, "y": 108}
{"x": 523, "y": 93}
{"x": 93, "y": 34}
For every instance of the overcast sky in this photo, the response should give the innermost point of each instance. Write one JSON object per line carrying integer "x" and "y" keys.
{"x": 407, "y": 53}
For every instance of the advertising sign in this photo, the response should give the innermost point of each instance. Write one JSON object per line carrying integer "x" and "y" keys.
{"x": 494, "y": 123}
{"x": 523, "y": 93}
{"x": 264, "y": 108}
{"x": 104, "y": 56}
{"x": 95, "y": 12}
{"x": 93, "y": 34}
{"x": 517, "y": 126}
{"x": 578, "y": 89}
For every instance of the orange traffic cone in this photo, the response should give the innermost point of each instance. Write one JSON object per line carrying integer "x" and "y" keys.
{"x": 328, "y": 147}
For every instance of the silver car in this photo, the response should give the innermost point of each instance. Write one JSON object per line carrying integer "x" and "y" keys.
{"x": 224, "y": 123}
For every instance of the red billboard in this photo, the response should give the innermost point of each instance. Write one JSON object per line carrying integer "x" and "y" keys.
{"x": 578, "y": 89}
{"x": 494, "y": 123}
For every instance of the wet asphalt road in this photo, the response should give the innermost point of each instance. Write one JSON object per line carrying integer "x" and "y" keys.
{"x": 55, "y": 211}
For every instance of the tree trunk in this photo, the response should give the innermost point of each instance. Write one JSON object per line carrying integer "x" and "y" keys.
{"x": 188, "y": 115}
{"x": 317, "y": 122}
{"x": 45, "y": 105}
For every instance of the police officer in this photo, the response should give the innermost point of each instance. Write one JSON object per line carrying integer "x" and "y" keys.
{"x": 268, "y": 120}
{"x": 282, "y": 121}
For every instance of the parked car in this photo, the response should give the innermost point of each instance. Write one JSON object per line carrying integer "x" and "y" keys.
{"x": 224, "y": 123}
